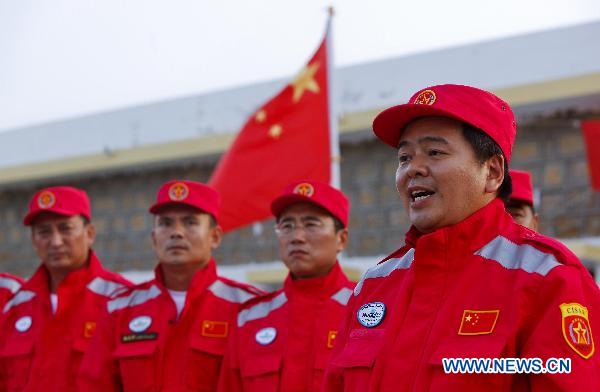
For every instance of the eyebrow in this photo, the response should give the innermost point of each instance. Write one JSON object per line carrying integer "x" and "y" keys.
{"x": 302, "y": 218}
{"x": 425, "y": 139}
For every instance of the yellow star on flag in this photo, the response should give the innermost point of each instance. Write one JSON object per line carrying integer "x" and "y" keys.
{"x": 305, "y": 81}
{"x": 275, "y": 131}
{"x": 261, "y": 116}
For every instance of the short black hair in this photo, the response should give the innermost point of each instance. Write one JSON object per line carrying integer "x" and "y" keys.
{"x": 485, "y": 147}
{"x": 338, "y": 225}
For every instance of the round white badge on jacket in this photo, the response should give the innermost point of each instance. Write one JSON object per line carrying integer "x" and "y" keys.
{"x": 371, "y": 314}
{"x": 266, "y": 335}
{"x": 23, "y": 324}
{"x": 140, "y": 323}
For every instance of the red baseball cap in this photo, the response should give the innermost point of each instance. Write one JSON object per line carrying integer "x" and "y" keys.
{"x": 471, "y": 105}
{"x": 319, "y": 193}
{"x": 63, "y": 200}
{"x": 522, "y": 189}
{"x": 188, "y": 193}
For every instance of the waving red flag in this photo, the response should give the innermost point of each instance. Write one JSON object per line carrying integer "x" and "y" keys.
{"x": 285, "y": 140}
{"x": 591, "y": 135}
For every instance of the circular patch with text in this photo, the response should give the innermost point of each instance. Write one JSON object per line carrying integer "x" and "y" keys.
{"x": 371, "y": 314}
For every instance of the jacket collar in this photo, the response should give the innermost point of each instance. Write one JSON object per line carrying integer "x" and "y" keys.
{"x": 202, "y": 279}
{"x": 463, "y": 238}
{"x": 321, "y": 287}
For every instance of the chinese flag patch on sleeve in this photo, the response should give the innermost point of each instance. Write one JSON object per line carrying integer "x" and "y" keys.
{"x": 478, "y": 322}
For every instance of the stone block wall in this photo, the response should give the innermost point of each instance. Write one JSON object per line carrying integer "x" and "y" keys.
{"x": 551, "y": 148}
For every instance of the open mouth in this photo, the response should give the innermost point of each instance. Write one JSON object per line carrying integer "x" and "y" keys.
{"x": 421, "y": 194}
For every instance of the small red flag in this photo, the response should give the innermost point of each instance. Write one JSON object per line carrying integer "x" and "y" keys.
{"x": 591, "y": 135}
{"x": 215, "y": 329}
{"x": 285, "y": 140}
{"x": 478, "y": 322}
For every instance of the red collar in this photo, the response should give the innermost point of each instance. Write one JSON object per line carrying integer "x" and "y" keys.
{"x": 202, "y": 279}
{"x": 463, "y": 238}
{"x": 40, "y": 280}
{"x": 323, "y": 286}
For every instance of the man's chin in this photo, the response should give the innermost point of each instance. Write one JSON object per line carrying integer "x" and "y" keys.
{"x": 425, "y": 224}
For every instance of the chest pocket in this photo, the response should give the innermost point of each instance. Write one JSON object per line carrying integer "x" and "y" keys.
{"x": 360, "y": 349}
{"x": 205, "y": 356}
{"x": 470, "y": 347}
{"x": 357, "y": 357}
{"x": 261, "y": 373}
{"x": 137, "y": 365}
{"x": 15, "y": 362}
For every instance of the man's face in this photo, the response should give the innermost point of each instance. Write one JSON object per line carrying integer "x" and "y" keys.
{"x": 439, "y": 178}
{"x": 183, "y": 235}
{"x": 62, "y": 242}
{"x": 523, "y": 214}
{"x": 308, "y": 241}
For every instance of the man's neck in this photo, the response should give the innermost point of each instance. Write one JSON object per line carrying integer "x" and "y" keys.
{"x": 179, "y": 277}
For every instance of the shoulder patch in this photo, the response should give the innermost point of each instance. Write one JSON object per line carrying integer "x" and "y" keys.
{"x": 19, "y": 298}
{"x": 261, "y": 309}
{"x": 514, "y": 256}
{"x": 386, "y": 268}
{"x": 576, "y": 329}
{"x": 106, "y": 288}
{"x": 229, "y": 292}
{"x": 133, "y": 298}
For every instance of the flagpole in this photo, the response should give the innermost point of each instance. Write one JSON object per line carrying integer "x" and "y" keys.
{"x": 334, "y": 140}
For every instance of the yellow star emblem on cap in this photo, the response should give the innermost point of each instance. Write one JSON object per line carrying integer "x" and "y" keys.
{"x": 305, "y": 80}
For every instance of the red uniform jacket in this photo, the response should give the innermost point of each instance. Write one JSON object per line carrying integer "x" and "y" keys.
{"x": 9, "y": 285}
{"x": 283, "y": 340}
{"x": 483, "y": 288}
{"x": 41, "y": 351}
{"x": 143, "y": 346}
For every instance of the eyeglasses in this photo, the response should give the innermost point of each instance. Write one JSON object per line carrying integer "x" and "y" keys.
{"x": 284, "y": 229}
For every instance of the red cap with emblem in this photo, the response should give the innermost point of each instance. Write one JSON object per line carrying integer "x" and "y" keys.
{"x": 471, "y": 105}
{"x": 319, "y": 193}
{"x": 190, "y": 193}
{"x": 522, "y": 189}
{"x": 62, "y": 200}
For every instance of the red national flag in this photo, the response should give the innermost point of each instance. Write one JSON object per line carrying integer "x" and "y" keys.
{"x": 478, "y": 322}
{"x": 287, "y": 139}
{"x": 591, "y": 134}
{"x": 215, "y": 329}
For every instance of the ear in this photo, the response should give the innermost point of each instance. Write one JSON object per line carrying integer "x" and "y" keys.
{"x": 153, "y": 238}
{"x": 90, "y": 231}
{"x": 495, "y": 175}
{"x": 341, "y": 239}
{"x": 216, "y": 236}
{"x": 535, "y": 222}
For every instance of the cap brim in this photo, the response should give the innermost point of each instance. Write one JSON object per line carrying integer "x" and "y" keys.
{"x": 29, "y": 218}
{"x": 389, "y": 124}
{"x": 158, "y": 206}
{"x": 520, "y": 200}
{"x": 283, "y": 202}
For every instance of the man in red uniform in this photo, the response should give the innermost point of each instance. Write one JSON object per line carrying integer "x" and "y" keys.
{"x": 47, "y": 325}
{"x": 283, "y": 340}
{"x": 9, "y": 285}
{"x": 520, "y": 204}
{"x": 469, "y": 282}
{"x": 169, "y": 334}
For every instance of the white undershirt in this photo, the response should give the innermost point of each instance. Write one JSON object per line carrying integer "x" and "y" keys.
{"x": 54, "y": 302}
{"x": 179, "y": 299}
